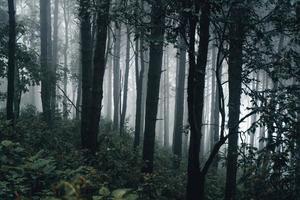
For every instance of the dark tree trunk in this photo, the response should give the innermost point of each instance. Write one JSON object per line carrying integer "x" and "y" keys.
{"x": 154, "y": 74}
{"x": 139, "y": 91}
{"x": 98, "y": 75}
{"x": 235, "y": 82}
{"x": 126, "y": 77}
{"x": 46, "y": 60}
{"x": 86, "y": 66}
{"x": 116, "y": 77}
{"x": 11, "y": 62}
{"x": 196, "y": 83}
{"x": 215, "y": 116}
{"x": 179, "y": 103}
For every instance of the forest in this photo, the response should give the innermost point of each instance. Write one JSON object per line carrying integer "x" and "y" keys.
{"x": 149, "y": 100}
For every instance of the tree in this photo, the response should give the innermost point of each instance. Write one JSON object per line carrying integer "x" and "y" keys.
{"x": 11, "y": 62}
{"x": 166, "y": 99}
{"x": 98, "y": 73}
{"x": 86, "y": 66}
{"x": 179, "y": 101}
{"x": 196, "y": 83}
{"x": 116, "y": 76}
{"x": 65, "y": 70}
{"x": 235, "y": 63}
{"x": 55, "y": 54}
{"x": 126, "y": 77}
{"x": 154, "y": 74}
{"x": 46, "y": 60}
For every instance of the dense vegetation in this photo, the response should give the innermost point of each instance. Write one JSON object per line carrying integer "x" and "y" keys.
{"x": 140, "y": 99}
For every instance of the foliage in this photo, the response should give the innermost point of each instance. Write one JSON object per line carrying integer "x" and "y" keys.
{"x": 38, "y": 163}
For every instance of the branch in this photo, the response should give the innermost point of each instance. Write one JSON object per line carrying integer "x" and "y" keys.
{"x": 64, "y": 93}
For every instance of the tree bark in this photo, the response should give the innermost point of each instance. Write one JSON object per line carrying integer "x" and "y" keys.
{"x": 11, "y": 62}
{"x": 179, "y": 103}
{"x": 86, "y": 66}
{"x": 46, "y": 60}
{"x": 196, "y": 85}
{"x": 154, "y": 74}
{"x": 98, "y": 74}
{"x": 116, "y": 77}
{"x": 126, "y": 77}
{"x": 55, "y": 55}
{"x": 236, "y": 34}
{"x": 166, "y": 100}
{"x": 65, "y": 78}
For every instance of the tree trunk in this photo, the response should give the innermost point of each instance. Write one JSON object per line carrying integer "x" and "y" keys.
{"x": 154, "y": 74}
{"x": 55, "y": 55}
{"x": 126, "y": 77}
{"x": 196, "y": 85}
{"x": 179, "y": 103}
{"x": 109, "y": 65}
{"x": 11, "y": 62}
{"x": 98, "y": 74}
{"x": 253, "y": 117}
{"x": 65, "y": 78}
{"x": 86, "y": 62}
{"x": 46, "y": 60}
{"x": 166, "y": 100}
{"x": 235, "y": 83}
{"x": 116, "y": 77}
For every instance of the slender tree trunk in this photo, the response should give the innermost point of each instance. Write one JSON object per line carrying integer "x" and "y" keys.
{"x": 253, "y": 117}
{"x": 98, "y": 74}
{"x": 179, "y": 103}
{"x": 196, "y": 85}
{"x": 126, "y": 77}
{"x": 235, "y": 83}
{"x": 139, "y": 84}
{"x": 65, "y": 78}
{"x": 46, "y": 60}
{"x": 79, "y": 93}
{"x": 55, "y": 55}
{"x": 86, "y": 66}
{"x": 109, "y": 65}
{"x": 215, "y": 115}
{"x": 116, "y": 76}
{"x": 11, "y": 62}
{"x": 154, "y": 74}
{"x": 166, "y": 100}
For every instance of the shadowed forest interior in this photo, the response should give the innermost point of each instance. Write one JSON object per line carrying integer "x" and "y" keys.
{"x": 150, "y": 99}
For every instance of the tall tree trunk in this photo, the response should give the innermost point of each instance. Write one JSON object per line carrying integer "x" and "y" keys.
{"x": 109, "y": 65}
{"x": 98, "y": 74}
{"x": 196, "y": 85}
{"x": 55, "y": 55}
{"x": 65, "y": 78}
{"x": 11, "y": 62}
{"x": 215, "y": 115}
{"x": 154, "y": 74}
{"x": 179, "y": 103}
{"x": 126, "y": 77}
{"x": 46, "y": 60}
{"x": 116, "y": 77}
{"x": 235, "y": 82}
{"x": 139, "y": 84}
{"x": 86, "y": 66}
{"x": 166, "y": 100}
